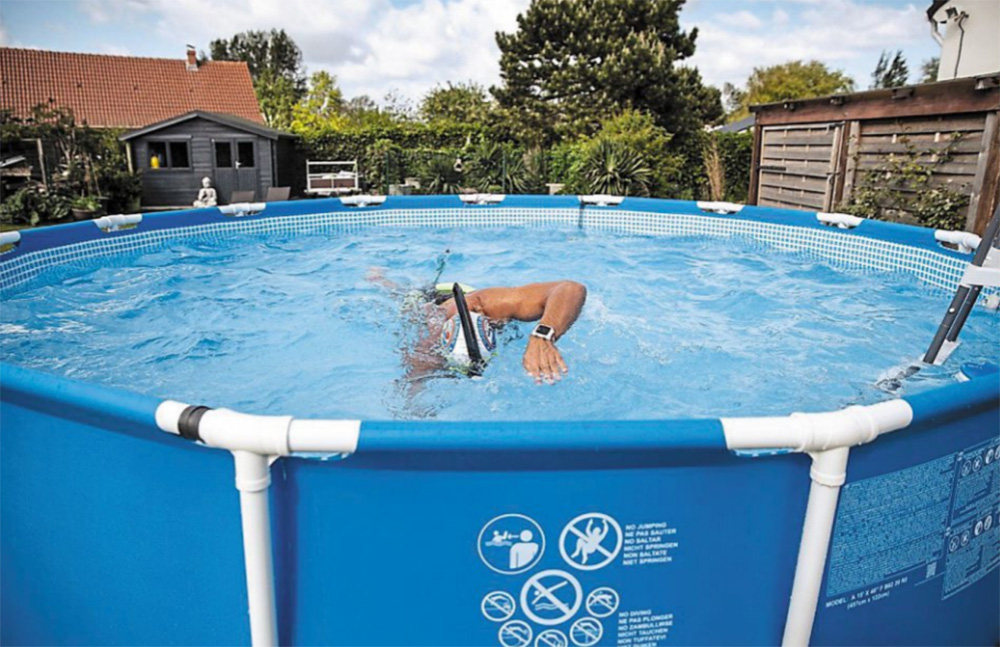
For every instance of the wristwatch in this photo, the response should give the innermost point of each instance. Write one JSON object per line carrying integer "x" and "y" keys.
{"x": 542, "y": 331}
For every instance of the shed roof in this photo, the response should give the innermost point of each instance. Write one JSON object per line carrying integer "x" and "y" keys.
{"x": 227, "y": 120}
{"x": 107, "y": 91}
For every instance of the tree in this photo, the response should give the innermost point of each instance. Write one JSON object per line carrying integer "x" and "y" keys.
{"x": 572, "y": 62}
{"x": 458, "y": 103}
{"x": 890, "y": 73}
{"x": 792, "y": 80}
{"x": 929, "y": 70}
{"x": 277, "y": 98}
{"x": 322, "y": 107}
{"x": 275, "y": 64}
{"x": 397, "y": 106}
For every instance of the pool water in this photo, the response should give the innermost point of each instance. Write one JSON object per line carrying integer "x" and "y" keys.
{"x": 672, "y": 327}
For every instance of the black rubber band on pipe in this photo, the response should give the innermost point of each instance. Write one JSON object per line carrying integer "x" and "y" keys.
{"x": 187, "y": 423}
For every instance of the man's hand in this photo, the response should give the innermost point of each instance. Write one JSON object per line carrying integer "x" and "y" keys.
{"x": 542, "y": 361}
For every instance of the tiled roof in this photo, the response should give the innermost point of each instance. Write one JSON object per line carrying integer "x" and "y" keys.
{"x": 123, "y": 91}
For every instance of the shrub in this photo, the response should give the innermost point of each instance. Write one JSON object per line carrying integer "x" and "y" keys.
{"x": 611, "y": 166}
{"x": 33, "y": 205}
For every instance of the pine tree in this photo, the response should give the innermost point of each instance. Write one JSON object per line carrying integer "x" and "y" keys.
{"x": 572, "y": 63}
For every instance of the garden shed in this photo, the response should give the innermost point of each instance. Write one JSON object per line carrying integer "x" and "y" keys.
{"x": 240, "y": 156}
{"x": 903, "y": 149}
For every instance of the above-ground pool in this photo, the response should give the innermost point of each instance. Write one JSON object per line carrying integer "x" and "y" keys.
{"x": 868, "y": 519}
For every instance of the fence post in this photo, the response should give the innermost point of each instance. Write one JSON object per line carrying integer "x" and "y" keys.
{"x": 503, "y": 171}
{"x": 385, "y": 173}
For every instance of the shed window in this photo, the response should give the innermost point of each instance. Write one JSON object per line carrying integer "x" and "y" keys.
{"x": 246, "y": 156}
{"x": 158, "y": 155}
{"x": 179, "y": 155}
{"x": 223, "y": 155}
{"x": 169, "y": 155}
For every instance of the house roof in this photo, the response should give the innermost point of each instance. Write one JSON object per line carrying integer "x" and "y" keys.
{"x": 746, "y": 123}
{"x": 227, "y": 120}
{"x": 123, "y": 91}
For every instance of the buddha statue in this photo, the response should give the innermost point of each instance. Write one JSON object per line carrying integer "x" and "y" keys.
{"x": 206, "y": 196}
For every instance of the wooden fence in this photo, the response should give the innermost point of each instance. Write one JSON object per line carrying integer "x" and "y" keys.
{"x": 816, "y": 153}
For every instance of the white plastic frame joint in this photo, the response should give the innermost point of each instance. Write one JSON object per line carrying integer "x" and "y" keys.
{"x": 817, "y": 432}
{"x": 726, "y": 208}
{"x": 240, "y": 209}
{"x": 601, "y": 200}
{"x": 482, "y": 198}
{"x": 362, "y": 200}
{"x": 118, "y": 222}
{"x": 264, "y": 435}
{"x": 839, "y": 220}
{"x": 9, "y": 239}
{"x": 966, "y": 242}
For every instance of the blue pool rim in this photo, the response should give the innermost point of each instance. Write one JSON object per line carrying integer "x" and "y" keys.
{"x": 131, "y": 408}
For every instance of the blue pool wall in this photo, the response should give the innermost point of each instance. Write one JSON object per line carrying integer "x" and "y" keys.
{"x": 117, "y": 533}
{"x": 114, "y": 532}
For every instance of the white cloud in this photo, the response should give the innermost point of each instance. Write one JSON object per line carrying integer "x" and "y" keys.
{"x": 371, "y": 45}
{"x": 4, "y": 38}
{"x": 741, "y": 19}
{"x": 116, "y": 50}
{"x": 844, "y": 34}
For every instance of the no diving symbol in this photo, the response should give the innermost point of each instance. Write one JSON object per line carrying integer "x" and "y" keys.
{"x": 590, "y": 541}
{"x": 498, "y": 606}
{"x": 602, "y": 602}
{"x": 586, "y": 632}
{"x": 551, "y": 638}
{"x": 551, "y": 597}
{"x": 515, "y": 633}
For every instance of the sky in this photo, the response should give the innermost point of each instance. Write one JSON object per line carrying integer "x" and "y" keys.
{"x": 410, "y": 46}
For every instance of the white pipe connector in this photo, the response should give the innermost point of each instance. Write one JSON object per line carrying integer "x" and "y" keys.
{"x": 839, "y": 220}
{"x": 10, "y": 238}
{"x": 482, "y": 198}
{"x": 116, "y": 222}
{"x": 720, "y": 207}
{"x": 239, "y": 209}
{"x": 814, "y": 432}
{"x": 601, "y": 200}
{"x": 362, "y": 200}
{"x": 967, "y": 242}
{"x": 264, "y": 435}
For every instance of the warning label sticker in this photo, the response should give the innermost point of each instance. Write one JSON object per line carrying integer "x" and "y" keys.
{"x": 933, "y": 520}
{"x": 572, "y": 603}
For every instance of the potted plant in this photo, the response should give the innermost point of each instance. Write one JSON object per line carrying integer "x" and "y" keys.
{"x": 85, "y": 207}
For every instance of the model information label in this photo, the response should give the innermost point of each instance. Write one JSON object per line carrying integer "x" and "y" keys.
{"x": 936, "y": 520}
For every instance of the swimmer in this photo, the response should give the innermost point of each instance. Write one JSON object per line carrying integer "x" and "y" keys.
{"x": 461, "y": 329}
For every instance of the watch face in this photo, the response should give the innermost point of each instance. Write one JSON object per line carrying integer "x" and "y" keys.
{"x": 544, "y": 331}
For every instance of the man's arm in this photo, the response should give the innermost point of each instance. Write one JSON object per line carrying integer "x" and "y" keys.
{"x": 556, "y": 304}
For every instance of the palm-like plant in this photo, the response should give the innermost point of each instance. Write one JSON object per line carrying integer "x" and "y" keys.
{"x": 439, "y": 174}
{"x": 497, "y": 167}
{"x": 613, "y": 167}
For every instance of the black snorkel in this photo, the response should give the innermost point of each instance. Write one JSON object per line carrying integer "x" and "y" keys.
{"x": 476, "y": 363}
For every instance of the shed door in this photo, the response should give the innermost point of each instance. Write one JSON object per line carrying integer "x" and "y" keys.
{"x": 234, "y": 163}
{"x": 798, "y": 166}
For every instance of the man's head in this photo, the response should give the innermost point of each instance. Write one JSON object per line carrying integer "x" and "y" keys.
{"x": 468, "y": 337}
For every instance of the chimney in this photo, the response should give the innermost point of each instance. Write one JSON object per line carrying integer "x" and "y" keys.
{"x": 192, "y": 59}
